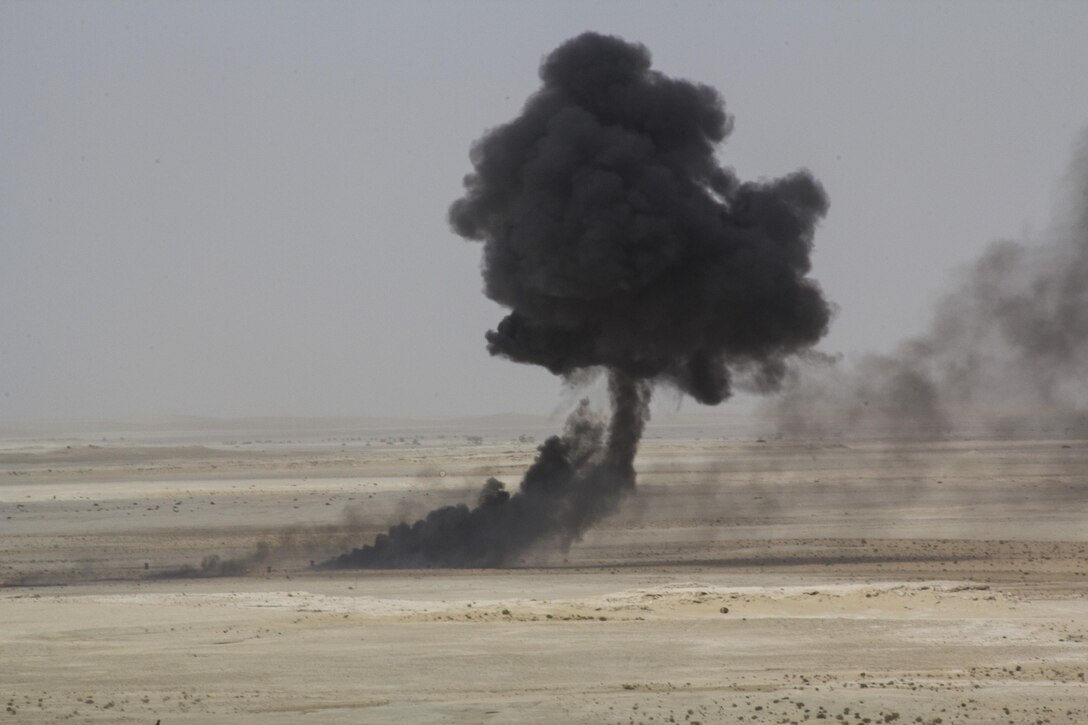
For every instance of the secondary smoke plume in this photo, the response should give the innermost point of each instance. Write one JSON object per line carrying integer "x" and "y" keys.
{"x": 1007, "y": 349}
{"x": 618, "y": 240}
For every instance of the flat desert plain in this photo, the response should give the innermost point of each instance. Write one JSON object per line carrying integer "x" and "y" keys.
{"x": 746, "y": 582}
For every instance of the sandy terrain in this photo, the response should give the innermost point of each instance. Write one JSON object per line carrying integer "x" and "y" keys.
{"x": 856, "y": 582}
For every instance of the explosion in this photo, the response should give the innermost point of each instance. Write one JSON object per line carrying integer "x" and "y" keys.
{"x": 618, "y": 241}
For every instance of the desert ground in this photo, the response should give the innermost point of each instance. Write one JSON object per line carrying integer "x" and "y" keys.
{"x": 748, "y": 581}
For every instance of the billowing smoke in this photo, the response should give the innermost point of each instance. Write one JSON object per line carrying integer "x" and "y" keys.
{"x": 618, "y": 240}
{"x": 1006, "y": 352}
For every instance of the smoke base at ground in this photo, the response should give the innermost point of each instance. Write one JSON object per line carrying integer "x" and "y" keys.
{"x": 577, "y": 478}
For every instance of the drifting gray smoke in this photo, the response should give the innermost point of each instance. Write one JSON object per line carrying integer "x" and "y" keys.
{"x": 617, "y": 240}
{"x": 1006, "y": 352}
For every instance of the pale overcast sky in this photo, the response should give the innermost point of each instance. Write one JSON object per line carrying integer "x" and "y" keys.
{"x": 239, "y": 208}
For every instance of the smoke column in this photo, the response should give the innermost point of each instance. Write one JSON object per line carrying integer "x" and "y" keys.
{"x": 1006, "y": 352}
{"x": 617, "y": 240}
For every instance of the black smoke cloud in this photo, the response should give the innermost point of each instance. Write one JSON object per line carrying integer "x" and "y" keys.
{"x": 618, "y": 240}
{"x": 1006, "y": 352}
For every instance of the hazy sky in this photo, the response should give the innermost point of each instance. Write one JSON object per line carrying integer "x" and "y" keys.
{"x": 239, "y": 208}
